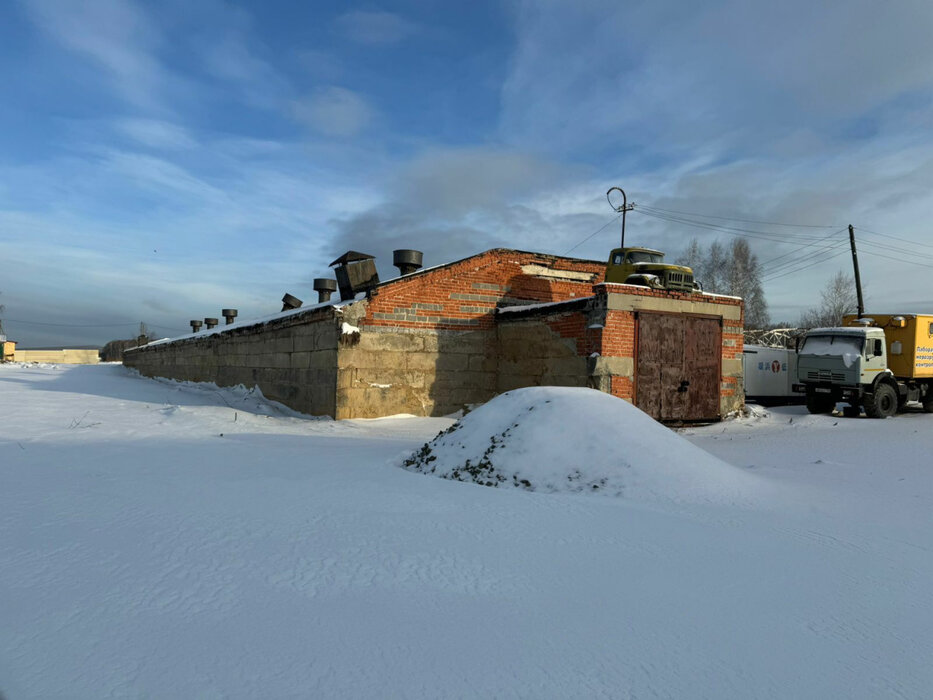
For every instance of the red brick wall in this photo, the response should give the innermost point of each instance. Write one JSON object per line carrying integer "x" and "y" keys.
{"x": 615, "y": 335}
{"x": 464, "y": 294}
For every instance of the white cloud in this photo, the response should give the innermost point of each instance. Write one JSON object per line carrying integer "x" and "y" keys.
{"x": 334, "y": 111}
{"x": 157, "y": 134}
{"x": 116, "y": 35}
{"x": 666, "y": 77}
{"x": 375, "y": 28}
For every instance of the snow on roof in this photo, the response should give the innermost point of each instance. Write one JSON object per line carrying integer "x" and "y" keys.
{"x": 336, "y": 304}
{"x": 533, "y": 307}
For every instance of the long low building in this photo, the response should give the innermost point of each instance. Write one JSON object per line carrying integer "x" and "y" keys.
{"x": 441, "y": 339}
{"x": 58, "y": 356}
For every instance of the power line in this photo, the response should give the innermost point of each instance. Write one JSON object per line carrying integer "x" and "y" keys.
{"x": 818, "y": 254}
{"x": 746, "y": 221}
{"x": 730, "y": 230}
{"x": 902, "y": 260}
{"x": 599, "y": 230}
{"x": 895, "y": 249}
{"x": 804, "y": 267}
{"x": 896, "y": 238}
{"x": 807, "y": 245}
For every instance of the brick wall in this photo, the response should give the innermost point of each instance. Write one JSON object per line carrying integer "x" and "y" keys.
{"x": 600, "y": 336}
{"x": 463, "y": 295}
{"x": 429, "y": 343}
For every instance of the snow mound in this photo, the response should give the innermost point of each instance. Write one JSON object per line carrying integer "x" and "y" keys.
{"x": 559, "y": 439}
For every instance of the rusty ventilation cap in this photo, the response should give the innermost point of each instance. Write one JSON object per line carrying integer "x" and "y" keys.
{"x": 324, "y": 286}
{"x": 351, "y": 256}
{"x": 407, "y": 261}
{"x": 355, "y": 272}
{"x": 210, "y": 322}
{"x": 229, "y": 315}
{"x": 290, "y": 302}
{"x": 195, "y": 325}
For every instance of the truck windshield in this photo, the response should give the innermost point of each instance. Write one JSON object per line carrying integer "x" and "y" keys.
{"x": 638, "y": 256}
{"x": 831, "y": 345}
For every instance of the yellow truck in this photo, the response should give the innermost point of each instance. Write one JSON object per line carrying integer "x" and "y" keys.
{"x": 646, "y": 268}
{"x": 878, "y": 362}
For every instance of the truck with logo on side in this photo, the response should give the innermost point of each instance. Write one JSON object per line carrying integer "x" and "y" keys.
{"x": 879, "y": 362}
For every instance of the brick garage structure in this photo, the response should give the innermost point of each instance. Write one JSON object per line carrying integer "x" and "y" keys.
{"x": 434, "y": 341}
{"x": 676, "y": 356}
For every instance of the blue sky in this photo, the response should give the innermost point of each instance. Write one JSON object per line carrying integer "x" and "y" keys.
{"x": 160, "y": 161}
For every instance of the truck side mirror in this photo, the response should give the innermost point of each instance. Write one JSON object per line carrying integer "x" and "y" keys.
{"x": 879, "y": 349}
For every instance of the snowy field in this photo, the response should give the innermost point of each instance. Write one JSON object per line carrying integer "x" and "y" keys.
{"x": 160, "y": 540}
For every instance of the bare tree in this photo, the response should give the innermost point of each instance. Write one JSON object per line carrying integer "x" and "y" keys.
{"x": 2, "y": 307}
{"x": 837, "y": 299}
{"x": 734, "y": 270}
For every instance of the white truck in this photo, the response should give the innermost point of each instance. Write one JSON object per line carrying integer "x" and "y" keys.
{"x": 879, "y": 363}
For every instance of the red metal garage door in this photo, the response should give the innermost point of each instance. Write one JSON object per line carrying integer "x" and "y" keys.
{"x": 678, "y": 366}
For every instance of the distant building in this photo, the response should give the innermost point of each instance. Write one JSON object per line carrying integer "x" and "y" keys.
{"x": 59, "y": 356}
{"x": 436, "y": 340}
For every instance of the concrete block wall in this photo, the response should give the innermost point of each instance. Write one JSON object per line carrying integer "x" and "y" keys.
{"x": 292, "y": 359}
{"x": 545, "y": 346}
{"x": 420, "y": 371}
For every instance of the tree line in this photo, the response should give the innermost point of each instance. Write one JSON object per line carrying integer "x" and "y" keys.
{"x": 734, "y": 270}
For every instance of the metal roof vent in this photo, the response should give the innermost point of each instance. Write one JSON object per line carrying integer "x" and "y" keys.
{"x": 195, "y": 325}
{"x": 229, "y": 315}
{"x": 211, "y": 323}
{"x": 356, "y": 272}
{"x": 407, "y": 261}
{"x": 290, "y": 302}
{"x": 324, "y": 286}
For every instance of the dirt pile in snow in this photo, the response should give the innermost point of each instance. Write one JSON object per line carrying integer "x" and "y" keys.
{"x": 558, "y": 439}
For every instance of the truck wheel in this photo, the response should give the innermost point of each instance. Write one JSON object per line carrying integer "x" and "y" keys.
{"x": 817, "y": 403}
{"x": 882, "y": 403}
{"x": 928, "y": 405}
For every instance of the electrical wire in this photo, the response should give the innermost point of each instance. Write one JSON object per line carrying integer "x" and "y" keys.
{"x": 599, "y": 230}
{"x": 746, "y": 221}
{"x": 731, "y": 230}
{"x": 902, "y": 260}
{"x": 896, "y": 238}
{"x": 767, "y": 263}
{"x": 795, "y": 263}
{"x": 804, "y": 267}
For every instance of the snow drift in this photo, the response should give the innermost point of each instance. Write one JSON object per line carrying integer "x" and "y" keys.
{"x": 559, "y": 439}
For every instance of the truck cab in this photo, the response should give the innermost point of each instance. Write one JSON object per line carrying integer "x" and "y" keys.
{"x": 646, "y": 267}
{"x": 851, "y": 364}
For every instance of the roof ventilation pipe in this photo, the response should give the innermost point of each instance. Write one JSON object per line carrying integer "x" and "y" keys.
{"x": 356, "y": 272}
{"x": 211, "y": 323}
{"x": 195, "y": 325}
{"x": 324, "y": 286}
{"x": 229, "y": 315}
{"x": 407, "y": 261}
{"x": 289, "y": 302}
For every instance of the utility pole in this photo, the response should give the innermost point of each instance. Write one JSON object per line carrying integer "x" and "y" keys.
{"x": 622, "y": 209}
{"x": 858, "y": 279}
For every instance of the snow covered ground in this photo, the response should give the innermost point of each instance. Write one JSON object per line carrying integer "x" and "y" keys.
{"x": 160, "y": 540}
